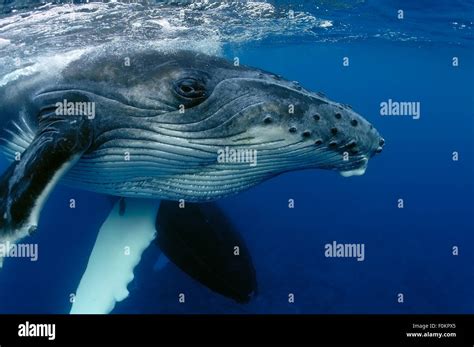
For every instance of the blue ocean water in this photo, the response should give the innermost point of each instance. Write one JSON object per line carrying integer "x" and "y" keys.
{"x": 408, "y": 250}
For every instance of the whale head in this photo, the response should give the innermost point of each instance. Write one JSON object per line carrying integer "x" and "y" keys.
{"x": 209, "y": 127}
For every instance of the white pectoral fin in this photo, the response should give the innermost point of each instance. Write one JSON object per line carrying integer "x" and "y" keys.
{"x": 121, "y": 241}
{"x": 46, "y": 157}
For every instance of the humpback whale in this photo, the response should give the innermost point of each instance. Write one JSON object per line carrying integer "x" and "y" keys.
{"x": 159, "y": 120}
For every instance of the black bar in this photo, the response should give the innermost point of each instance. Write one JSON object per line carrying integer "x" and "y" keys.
{"x": 274, "y": 329}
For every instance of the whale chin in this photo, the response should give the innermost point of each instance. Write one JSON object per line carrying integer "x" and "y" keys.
{"x": 356, "y": 172}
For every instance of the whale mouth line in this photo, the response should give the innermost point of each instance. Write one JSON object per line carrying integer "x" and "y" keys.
{"x": 116, "y": 98}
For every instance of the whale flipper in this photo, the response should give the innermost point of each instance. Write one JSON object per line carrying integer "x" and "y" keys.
{"x": 57, "y": 145}
{"x": 118, "y": 249}
{"x": 202, "y": 243}
{"x": 161, "y": 262}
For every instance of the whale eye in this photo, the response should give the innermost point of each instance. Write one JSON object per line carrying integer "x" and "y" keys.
{"x": 190, "y": 88}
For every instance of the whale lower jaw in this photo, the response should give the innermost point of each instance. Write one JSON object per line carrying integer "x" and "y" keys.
{"x": 359, "y": 171}
{"x": 356, "y": 172}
